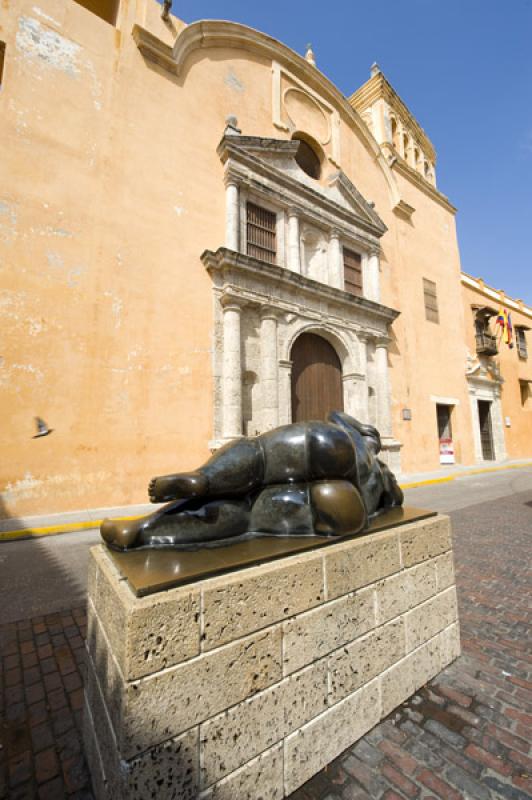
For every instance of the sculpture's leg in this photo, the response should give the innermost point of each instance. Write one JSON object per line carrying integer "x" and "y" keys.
{"x": 183, "y": 484}
{"x": 392, "y": 494}
{"x": 186, "y": 522}
{"x": 233, "y": 471}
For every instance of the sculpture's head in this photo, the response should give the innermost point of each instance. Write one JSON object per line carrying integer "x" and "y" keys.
{"x": 372, "y": 439}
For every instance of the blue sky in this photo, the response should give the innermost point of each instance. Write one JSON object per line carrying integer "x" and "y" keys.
{"x": 464, "y": 68}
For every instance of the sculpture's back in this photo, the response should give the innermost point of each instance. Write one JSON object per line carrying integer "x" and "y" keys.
{"x": 308, "y": 478}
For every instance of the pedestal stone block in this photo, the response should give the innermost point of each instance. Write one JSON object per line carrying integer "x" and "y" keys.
{"x": 263, "y": 676}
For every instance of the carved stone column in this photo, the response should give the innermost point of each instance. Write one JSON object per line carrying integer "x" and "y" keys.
{"x": 355, "y": 395}
{"x": 372, "y": 277}
{"x": 232, "y": 215}
{"x": 362, "y": 409}
{"x": 391, "y": 448}
{"x": 382, "y": 388}
{"x": 269, "y": 374}
{"x": 400, "y": 135}
{"x": 285, "y": 392}
{"x": 231, "y": 369}
{"x": 294, "y": 245}
{"x": 335, "y": 258}
{"x": 497, "y": 425}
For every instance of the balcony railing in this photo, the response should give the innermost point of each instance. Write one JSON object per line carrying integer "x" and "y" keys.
{"x": 486, "y": 344}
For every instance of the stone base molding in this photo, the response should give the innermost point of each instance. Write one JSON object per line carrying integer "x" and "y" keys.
{"x": 263, "y": 676}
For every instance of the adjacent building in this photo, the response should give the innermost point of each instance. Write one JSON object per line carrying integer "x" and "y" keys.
{"x": 499, "y": 373}
{"x": 202, "y": 238}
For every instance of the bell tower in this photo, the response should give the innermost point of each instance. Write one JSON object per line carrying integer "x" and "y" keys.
{"x": 393, "y": 126}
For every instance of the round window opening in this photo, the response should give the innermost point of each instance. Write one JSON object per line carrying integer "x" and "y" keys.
{"x": 307, "y": 159}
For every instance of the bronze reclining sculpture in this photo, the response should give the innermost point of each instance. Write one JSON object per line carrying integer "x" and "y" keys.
{"x": 308, "y": 478}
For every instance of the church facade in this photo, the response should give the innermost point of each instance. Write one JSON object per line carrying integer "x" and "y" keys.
{"x": 202, "y": 238}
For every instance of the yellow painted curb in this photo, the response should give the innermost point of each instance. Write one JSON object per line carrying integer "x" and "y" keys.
{"x": 52, "y": 530}
{"x": 73, "y": 527}
{"x": 444, "y": 479}
{"x": 455, "y": 475}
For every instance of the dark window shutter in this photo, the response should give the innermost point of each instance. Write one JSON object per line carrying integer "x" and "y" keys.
{"x": 261, "y": 242}
{"x": 352, "y": 272}
{"x": 431, "y": 300}
{"x": 521, "y": 342}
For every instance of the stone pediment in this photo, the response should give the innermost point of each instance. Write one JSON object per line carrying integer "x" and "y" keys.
{"x": 275, "y": 159}
{"x": 349, "y": 195}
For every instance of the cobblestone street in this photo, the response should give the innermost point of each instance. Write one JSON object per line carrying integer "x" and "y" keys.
{"x": 467, "y": 734}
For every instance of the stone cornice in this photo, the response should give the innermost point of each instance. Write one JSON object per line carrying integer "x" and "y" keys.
{"x": 243, "y": 165}
{"x": 494, "y": 294}
{"x": 154, "y": 49}
{"x": 399, "y": 165}
{"x": 267, "y": 278}
{"x": 484, "y": 381}
{"x": 378, "y": 87}
{"x": 219, "y": 33}
{"x": 259, "y": 144}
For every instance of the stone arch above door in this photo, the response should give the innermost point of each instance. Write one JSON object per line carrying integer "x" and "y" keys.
{"x": 343, "y": 342}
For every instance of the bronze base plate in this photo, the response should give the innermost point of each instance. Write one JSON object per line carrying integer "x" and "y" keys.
{"x": 154, "y": 570}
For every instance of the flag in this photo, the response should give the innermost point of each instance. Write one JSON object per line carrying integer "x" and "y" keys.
{"x": 504, "y": 321}
{"x": 509, "y": 330}
{"x": 500, "y": 319}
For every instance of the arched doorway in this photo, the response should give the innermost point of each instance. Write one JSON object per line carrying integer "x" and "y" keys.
{"x": 316, "y": 378}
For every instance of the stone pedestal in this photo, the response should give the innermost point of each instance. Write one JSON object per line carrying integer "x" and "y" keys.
{"x": 261, "y": 677}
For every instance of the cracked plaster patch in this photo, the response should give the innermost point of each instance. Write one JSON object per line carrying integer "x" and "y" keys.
{"x": 233, "y": 81}
{"x": 47, "y": 46}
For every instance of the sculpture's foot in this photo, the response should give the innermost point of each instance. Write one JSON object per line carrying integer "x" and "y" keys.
{"x": 122, "y": 533}
{"x": 182, "y": 485}
{"x": 181, "y": 523}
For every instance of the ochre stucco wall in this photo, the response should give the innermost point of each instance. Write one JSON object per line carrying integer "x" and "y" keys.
{"x": 111, "y": 189}
{"x": 428, "y": 358}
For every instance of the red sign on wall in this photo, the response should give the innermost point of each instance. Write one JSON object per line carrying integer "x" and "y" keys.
{"x": 446, "y": 451}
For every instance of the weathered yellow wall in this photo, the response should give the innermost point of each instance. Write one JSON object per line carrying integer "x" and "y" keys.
{"x": 111, "y": 188}
{"x": 512, "y": 368}
{"x": 107, "y": 303}
{"x": 428, "y": 358}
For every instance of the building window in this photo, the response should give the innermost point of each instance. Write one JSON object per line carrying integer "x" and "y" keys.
{"x": 485, "y": 340}
{"x": 520, "y": 339}
{"x": 2, "y": 59}
{"x": 307, "y": 158}
{"x": 260, "y": 233}
{"x": 526, "y": 394}
{"x": 445, "y": 433}
{"x": 352, "y": 272}
{"x": 105, "y": 9}
{"x": 431, "y": 300}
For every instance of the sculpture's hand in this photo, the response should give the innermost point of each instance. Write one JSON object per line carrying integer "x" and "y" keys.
{"x": 175, "y": 487}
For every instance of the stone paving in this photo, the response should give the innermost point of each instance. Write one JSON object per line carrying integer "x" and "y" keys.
{"x": 467, "y": 734}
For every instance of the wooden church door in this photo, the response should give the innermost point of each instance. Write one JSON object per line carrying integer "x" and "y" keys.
{"x": 316, "y": 379}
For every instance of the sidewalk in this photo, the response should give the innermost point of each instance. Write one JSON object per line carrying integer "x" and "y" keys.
{"x": 451, "y": 472}
{"x": 88, "y": 519}
{"x": 466, "y": 734}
